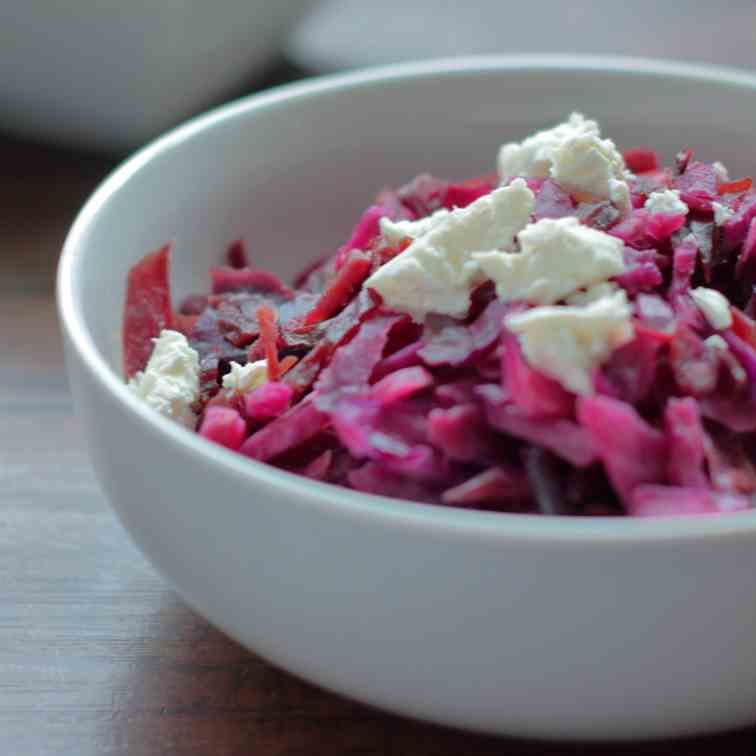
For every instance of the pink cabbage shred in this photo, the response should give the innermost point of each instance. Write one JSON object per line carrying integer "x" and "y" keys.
{"x": 450, "y": 412}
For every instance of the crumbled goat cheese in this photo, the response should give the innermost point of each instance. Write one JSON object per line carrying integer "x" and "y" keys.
{"x": 170, "y": 381}
{"x": 714, "y": 306}
{"x": 568, "y": 343}
{"x": 396, "y": 231}
{"x": 244, "y": 378}
{"x": 667, "y": 202}
{"x": 556, "y": 258}
{"x": 437, "y": 272}
{"x": 575, "y": 156}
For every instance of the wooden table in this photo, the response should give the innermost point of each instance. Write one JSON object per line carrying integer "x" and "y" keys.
{"x": 97, "y": 654}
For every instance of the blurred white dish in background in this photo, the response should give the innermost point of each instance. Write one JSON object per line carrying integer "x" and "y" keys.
{"x": 335, "y": 36}
{"x": 116, "y": 74}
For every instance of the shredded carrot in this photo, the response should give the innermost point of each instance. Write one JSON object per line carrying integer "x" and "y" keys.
{"x": 266, "y": 319}
{"x": 286, "y": 364}
{"x": 741, "y": 185}
{"x": 354, "y": 271}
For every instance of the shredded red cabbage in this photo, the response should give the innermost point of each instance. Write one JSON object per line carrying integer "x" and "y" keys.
{"x": 450, "y": 411}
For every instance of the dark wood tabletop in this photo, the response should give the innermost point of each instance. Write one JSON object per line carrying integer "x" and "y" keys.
{"x": 98, "y": 656}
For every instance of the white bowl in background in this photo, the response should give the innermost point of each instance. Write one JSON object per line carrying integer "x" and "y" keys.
{"x": 525, "y": 625}
{"x": 113, "y": 75}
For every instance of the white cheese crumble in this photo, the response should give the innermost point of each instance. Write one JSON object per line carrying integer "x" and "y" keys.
{"x": 714, "y": 306}
{"x": 396, "y": 231}
{"x": 244, "y": 378}
{"x": 715, "y": 341}
{"x": 557, "y": 257}
{"x": 722, "y": 213}
{"x": 720, "y": 169}
{"x": 666, "y": 202}
{"x": 568, "y": 343}
{"x": 170, "y": 381}
{"x": 437, "y": 272}
{"x": 575, "y": 156}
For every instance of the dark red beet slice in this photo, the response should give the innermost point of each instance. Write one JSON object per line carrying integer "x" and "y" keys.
{"x": 236, "y": 255}
{"x": 641, "y": 160}
{"x": 147, "y": 310}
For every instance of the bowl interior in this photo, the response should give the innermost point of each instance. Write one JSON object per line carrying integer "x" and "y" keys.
{"x": 290, "y": 171}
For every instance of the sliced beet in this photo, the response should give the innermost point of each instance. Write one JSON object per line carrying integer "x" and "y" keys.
{"x": 147, "y": 310}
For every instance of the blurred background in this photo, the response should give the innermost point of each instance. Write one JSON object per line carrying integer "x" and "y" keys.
{"x": 113, "y": 76}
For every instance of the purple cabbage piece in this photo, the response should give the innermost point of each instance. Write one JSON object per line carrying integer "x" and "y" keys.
{"x": 630, "y": 372}
{"x": 319, "y": 467}
{"x": 367, "y": 228}
{"x": 227, "y": 280}
{"x": 729, "y": 460}
{"x": 685, "y": 257}
{"x": 403, "y": 358}
{"x": 392, "y": 436}
{"x": 553, "y": 202}
{"x": 460, "y": 433}
{"x": 502, "y": 485}
{"x": 565, "y": 438}
{"x": 374, "y": 478}
{"x": 698, "y": 185}
{"x": 643, "y": 277}
{"x": 661, "y": 226}
{"x": 457, "y": 345}
{"x": 632, "y": 229}
{"x": 224, "y": 426}
{"x": 267, "y": 401}
{"x": 460, "y": 391}
{"x": 736, "y": 413}
{"x": 655, "y": 313}
{"x": 642, "y": 272}
{"x": 734, "y": 230}
{"x": 632, "y": 451}
{"x": 401, "y": 384}
{"x": 747, "y": 256}
{"x": 352, "y": 364}
{"x": 301, "y": 423}
{"x": 685, "y": 444}
{"x": 536, "y": 395}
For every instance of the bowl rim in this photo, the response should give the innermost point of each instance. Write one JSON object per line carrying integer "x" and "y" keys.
{"x": 449, "y": 521}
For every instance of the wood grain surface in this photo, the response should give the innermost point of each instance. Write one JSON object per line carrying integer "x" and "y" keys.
{"x": 97, "y": 655}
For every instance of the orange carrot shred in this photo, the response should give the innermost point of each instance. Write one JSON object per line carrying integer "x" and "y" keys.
{"x": 741, "y": 185}
{"x": 354, "y": 271}
{"x": 266, "y": 319}
{"x": 286, "y": 364}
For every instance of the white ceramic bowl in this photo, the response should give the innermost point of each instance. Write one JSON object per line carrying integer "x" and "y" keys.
{"x": 113, "y": 74}
{"x": 573, "y": 628}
